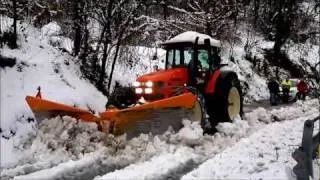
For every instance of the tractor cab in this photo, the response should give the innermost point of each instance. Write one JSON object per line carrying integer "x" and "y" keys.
{"x": 194, "y": 51}
{"x": 192, "y": 48}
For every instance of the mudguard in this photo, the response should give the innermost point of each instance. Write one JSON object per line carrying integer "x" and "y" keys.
{"x": 210, "y": 88}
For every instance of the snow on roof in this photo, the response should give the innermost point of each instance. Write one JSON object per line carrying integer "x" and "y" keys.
{"x": 190, "y": 36}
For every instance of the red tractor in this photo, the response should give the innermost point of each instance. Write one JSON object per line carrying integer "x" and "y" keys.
{"x": 192, "y": 65}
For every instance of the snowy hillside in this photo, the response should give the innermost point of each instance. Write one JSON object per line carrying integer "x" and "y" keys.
{"x": 39, "y": 64}
{"x": 257, "y": 146}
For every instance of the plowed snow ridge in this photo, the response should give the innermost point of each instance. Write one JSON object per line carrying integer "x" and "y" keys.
{"x": 65, "y": 148}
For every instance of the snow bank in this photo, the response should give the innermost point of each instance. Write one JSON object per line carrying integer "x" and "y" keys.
{"x": 56, "y": 140}
{"x": 264, "y": 154}
{"x": 38, "y": 64}
{"x": 64, "y": 148}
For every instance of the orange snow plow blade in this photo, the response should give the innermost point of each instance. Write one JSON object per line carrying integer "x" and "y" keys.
{"x": 44, "y": 109}
{"x": 153, "y": 117}
{"x": 128, "y": 119}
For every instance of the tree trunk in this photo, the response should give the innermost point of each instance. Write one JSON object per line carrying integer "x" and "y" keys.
{"x": 103, "y": 66}
{"x": 15, "y": 18}
{"x": 77, "y": 28}
{"x": 108, "y": 38}
{"x": 114, "y": 61}
{"x": 84, "y": 53}
{"x": 165, "y": 11}
{"x": 256, "y": 13}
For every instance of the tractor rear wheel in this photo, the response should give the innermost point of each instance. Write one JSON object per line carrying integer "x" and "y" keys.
{"x": 228, "y": 99}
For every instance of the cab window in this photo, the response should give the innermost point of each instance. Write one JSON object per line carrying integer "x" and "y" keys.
{"x": 203, "y": 58}
{"x": 182, "y": 57}
{"x": 170, "y": 58}
{"x": 187, "y": 53}
{"x": 174, "y": 58}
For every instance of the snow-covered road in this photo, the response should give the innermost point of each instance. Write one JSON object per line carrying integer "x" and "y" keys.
{"x": 63, "y": 148}
{"x": 254, "y": 147}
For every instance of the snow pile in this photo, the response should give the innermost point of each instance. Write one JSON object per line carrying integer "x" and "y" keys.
{"x": 259, "y": 114}
{"x": 264, "y": 154}
{"x": 300, "y": 107}
{"x": 238, "y": 127}
{"x": 57, "y": 140}
{"x": 191, "y": 134}
{"x": 73, "y": 136}
{"x": 38, "y": 64}
{"x": 168, "y": 163}
{"x": 170, "y": 155}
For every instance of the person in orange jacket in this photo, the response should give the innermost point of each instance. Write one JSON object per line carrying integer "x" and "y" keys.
{"x": 302, "y": 89}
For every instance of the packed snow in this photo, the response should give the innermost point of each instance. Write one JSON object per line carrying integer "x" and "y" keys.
{"x": 260, "y": 143}
{"x": 264, "y": 154}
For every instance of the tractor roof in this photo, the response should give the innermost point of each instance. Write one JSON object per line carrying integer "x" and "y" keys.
{"x": 190, "y": 37}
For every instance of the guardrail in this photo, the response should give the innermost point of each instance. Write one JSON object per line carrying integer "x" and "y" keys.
{"x": 307, "y": 151}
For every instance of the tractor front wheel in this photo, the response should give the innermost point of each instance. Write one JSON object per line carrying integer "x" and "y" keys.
{"x": 199, "y": 113}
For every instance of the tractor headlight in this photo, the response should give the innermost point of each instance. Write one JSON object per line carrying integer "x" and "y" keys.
{"x": 148, "y": 91}
{"x": 136, "y": 84}
{"x": 149, "y": 84}
{"x": 138, "y": 90}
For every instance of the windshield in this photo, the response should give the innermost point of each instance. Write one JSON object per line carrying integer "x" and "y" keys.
{"x": 182, "y": 58}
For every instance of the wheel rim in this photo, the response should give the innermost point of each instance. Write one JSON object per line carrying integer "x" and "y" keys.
{"x": 196, "y": 112}
{"x": 233, "y": 103}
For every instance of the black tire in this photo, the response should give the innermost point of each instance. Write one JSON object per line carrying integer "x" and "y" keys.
{"x": 228, "y": 87}
{"x": 121, "y": 97}
{"x": 204, "y": 121}
{"x": 200, "y": 108}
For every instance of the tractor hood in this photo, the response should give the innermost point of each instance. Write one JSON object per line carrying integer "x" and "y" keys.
{"x": 169, "y": 75}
